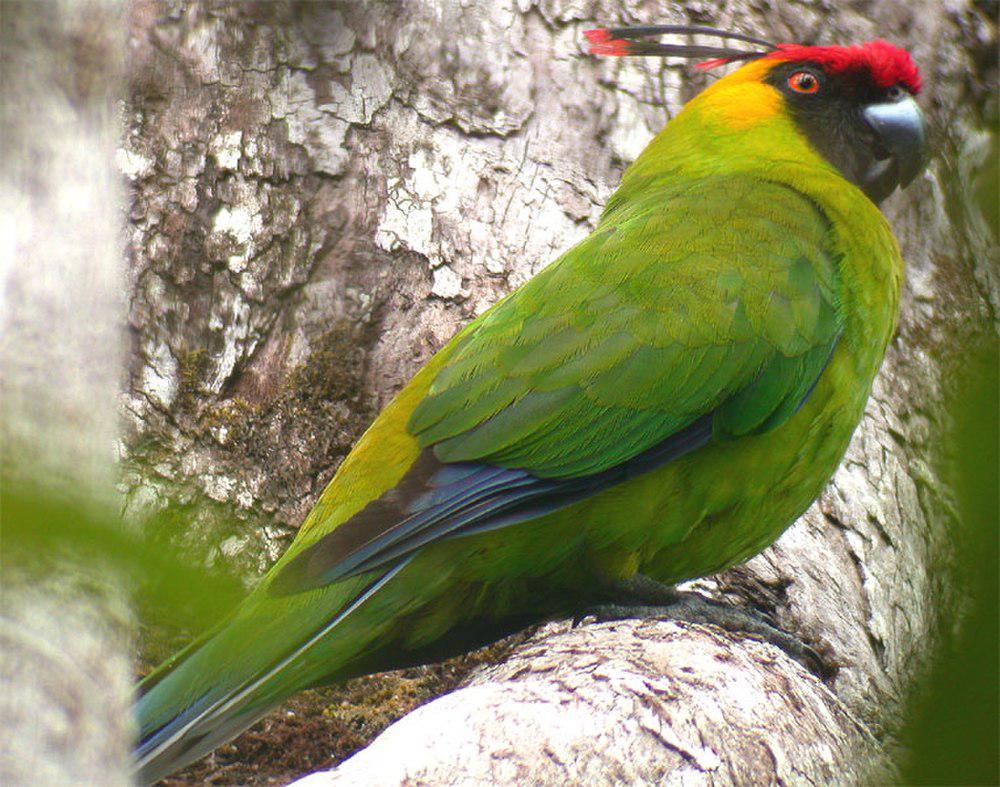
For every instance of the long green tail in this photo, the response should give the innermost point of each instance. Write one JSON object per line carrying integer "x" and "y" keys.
{"x": 180, "y": 722}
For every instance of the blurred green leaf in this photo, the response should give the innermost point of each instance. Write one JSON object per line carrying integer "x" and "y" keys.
{"x": 952, "y": 733}
{"x": 41, "y": 532}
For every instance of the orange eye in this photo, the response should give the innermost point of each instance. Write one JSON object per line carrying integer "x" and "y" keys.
{"x": 803, "y": 82}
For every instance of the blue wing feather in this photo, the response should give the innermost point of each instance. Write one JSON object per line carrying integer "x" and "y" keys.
{"x": 460, "y": 500}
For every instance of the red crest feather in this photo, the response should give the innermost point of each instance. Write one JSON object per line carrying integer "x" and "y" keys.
{"x": 887, "y": 65}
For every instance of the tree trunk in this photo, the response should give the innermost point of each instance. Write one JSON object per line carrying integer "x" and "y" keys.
{"x": 65, "y": 673}
{"x": 322, "y": 193}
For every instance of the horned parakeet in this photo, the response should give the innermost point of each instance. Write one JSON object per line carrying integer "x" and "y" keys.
{"x": 663, "y": 399}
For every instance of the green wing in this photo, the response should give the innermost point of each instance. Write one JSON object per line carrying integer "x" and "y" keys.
{"x": 701, "y": 314}
{"x": 717, "y": 299}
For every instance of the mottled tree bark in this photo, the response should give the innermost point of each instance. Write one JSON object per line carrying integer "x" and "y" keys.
{"x": 322, "y": 193}
{"x": 65, "y": 672}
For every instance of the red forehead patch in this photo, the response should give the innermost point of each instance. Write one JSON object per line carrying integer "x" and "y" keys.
{"x": 887, "y": 65}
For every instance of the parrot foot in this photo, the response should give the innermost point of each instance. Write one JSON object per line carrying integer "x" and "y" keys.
{"x": 641, "y": 597}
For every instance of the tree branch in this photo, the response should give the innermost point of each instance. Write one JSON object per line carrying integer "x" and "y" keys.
{"x": 65, "y": 673}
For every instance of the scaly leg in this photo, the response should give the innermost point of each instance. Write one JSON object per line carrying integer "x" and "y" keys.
{"x": 642, "y": 597}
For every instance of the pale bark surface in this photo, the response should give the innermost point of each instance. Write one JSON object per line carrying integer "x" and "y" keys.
{"x": 627, "y": 703}
{"x": 323, "y": 193}
{"x": 65, "y": 672}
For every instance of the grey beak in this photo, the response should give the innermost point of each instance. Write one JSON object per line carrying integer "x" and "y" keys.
{"x": 899, "y": 126}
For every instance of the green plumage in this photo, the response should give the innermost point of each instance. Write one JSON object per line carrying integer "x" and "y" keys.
{"x": 736, "y": 279}
{"x": 588, "y": 365}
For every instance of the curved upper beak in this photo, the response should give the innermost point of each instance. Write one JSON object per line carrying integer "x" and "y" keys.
{"x": 899, "y": 127}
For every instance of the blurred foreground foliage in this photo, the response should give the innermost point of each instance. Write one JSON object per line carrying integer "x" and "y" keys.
{"x": 42, "y": 534}
{"x": 952, "y": 730}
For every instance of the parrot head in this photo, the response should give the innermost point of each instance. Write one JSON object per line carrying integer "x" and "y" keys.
{"x": 853, "y": 104}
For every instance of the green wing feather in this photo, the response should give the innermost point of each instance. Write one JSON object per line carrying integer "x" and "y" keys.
{"x": 696, "y": 301}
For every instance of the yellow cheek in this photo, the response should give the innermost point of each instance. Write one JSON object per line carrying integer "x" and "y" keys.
{"x": 741, "y": 105}
{"x": 742, "y": 99}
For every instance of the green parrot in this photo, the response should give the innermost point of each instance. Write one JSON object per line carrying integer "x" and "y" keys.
{"x": 661, "y": 401}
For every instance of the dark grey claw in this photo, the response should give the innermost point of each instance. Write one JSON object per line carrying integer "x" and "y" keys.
{"x": 641, "y": 597}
